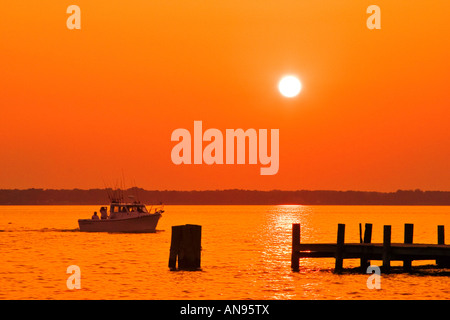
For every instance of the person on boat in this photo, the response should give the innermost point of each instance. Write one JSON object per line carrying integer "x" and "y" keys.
{"x": 95, "y": 216}
{"x": 103, "y": 213}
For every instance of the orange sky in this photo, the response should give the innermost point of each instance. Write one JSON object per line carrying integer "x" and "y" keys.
{"x": 80, "y": 106}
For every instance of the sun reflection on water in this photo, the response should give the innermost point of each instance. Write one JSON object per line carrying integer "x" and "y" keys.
{"x": 275, "y": 239}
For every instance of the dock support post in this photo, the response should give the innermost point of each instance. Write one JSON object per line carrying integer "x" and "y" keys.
{"x": 295, "y": 264}
{"x": 340, "y": 248}
{"x": 387, "y": 249}
{"x": 365, "y": 263}
{"x": 441, "y": 235}
{"x": 360, "y": 234}
{"x": 408, "y": 239}
{"x": 442, "y": 262}
{"x": 368, "y": 233}
{"x": 186, "y": 246}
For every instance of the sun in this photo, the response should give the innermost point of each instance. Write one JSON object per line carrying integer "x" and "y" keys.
{"x": 289, "y": 86}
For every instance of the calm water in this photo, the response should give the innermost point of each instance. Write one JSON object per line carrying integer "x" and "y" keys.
{"x": 246, "y": 254}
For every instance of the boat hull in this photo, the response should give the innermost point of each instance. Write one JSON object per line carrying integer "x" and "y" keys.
{"x": 140, "y": 224}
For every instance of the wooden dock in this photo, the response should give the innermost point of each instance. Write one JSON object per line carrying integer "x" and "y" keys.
{"x": 366, "y": 251}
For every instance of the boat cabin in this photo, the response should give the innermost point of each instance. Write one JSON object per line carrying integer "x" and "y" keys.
{"x": 128, "y": 208}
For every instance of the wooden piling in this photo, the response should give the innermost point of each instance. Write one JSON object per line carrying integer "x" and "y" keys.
{"x": 408, "y": 239}
{"x": 442, "y": 262}
{"x": 441, "y": 235}
{"x": 295, "y": 264}
{"x": 387, "y": 249}
{"x": 185, "y": 247}
{"x": 365, "y": 263}
{"x": 340, "y": 248}
{"x": 174, "y": 246}
{"x": 368, "y": 233}
{"x": 360, "y": 233}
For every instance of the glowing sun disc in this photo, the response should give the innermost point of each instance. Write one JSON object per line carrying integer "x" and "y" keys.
{"x": 289, "y": 86}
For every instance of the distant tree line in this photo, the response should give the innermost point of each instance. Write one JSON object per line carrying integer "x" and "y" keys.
{"x": 224, "y": 197}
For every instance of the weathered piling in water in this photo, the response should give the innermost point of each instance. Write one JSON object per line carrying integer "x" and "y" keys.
{"x": 368, "y": 233}
{"x": 365, "y": 262}
{"x": 295, "y": 244}
{"x": 185, "y": 247}
{"x": 442, "y": 262}
{"x": 441, "y": 235}
{"x": 408, "y": 239}
{"x": 387, "y": 249}
{"x": 340, "y": 248}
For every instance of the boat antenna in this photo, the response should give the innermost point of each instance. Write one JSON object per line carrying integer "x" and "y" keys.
{"x": 136, "y": 191}
{"x": 123, "y": 184}
{"x": 117, "y": 193}
{"x": 108, "y": 191}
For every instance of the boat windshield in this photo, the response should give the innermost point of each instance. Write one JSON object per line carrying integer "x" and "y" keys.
{"x": 140, "y": 209}
{"x": 129, "y": 208}
{"x": 116, "y": 209}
